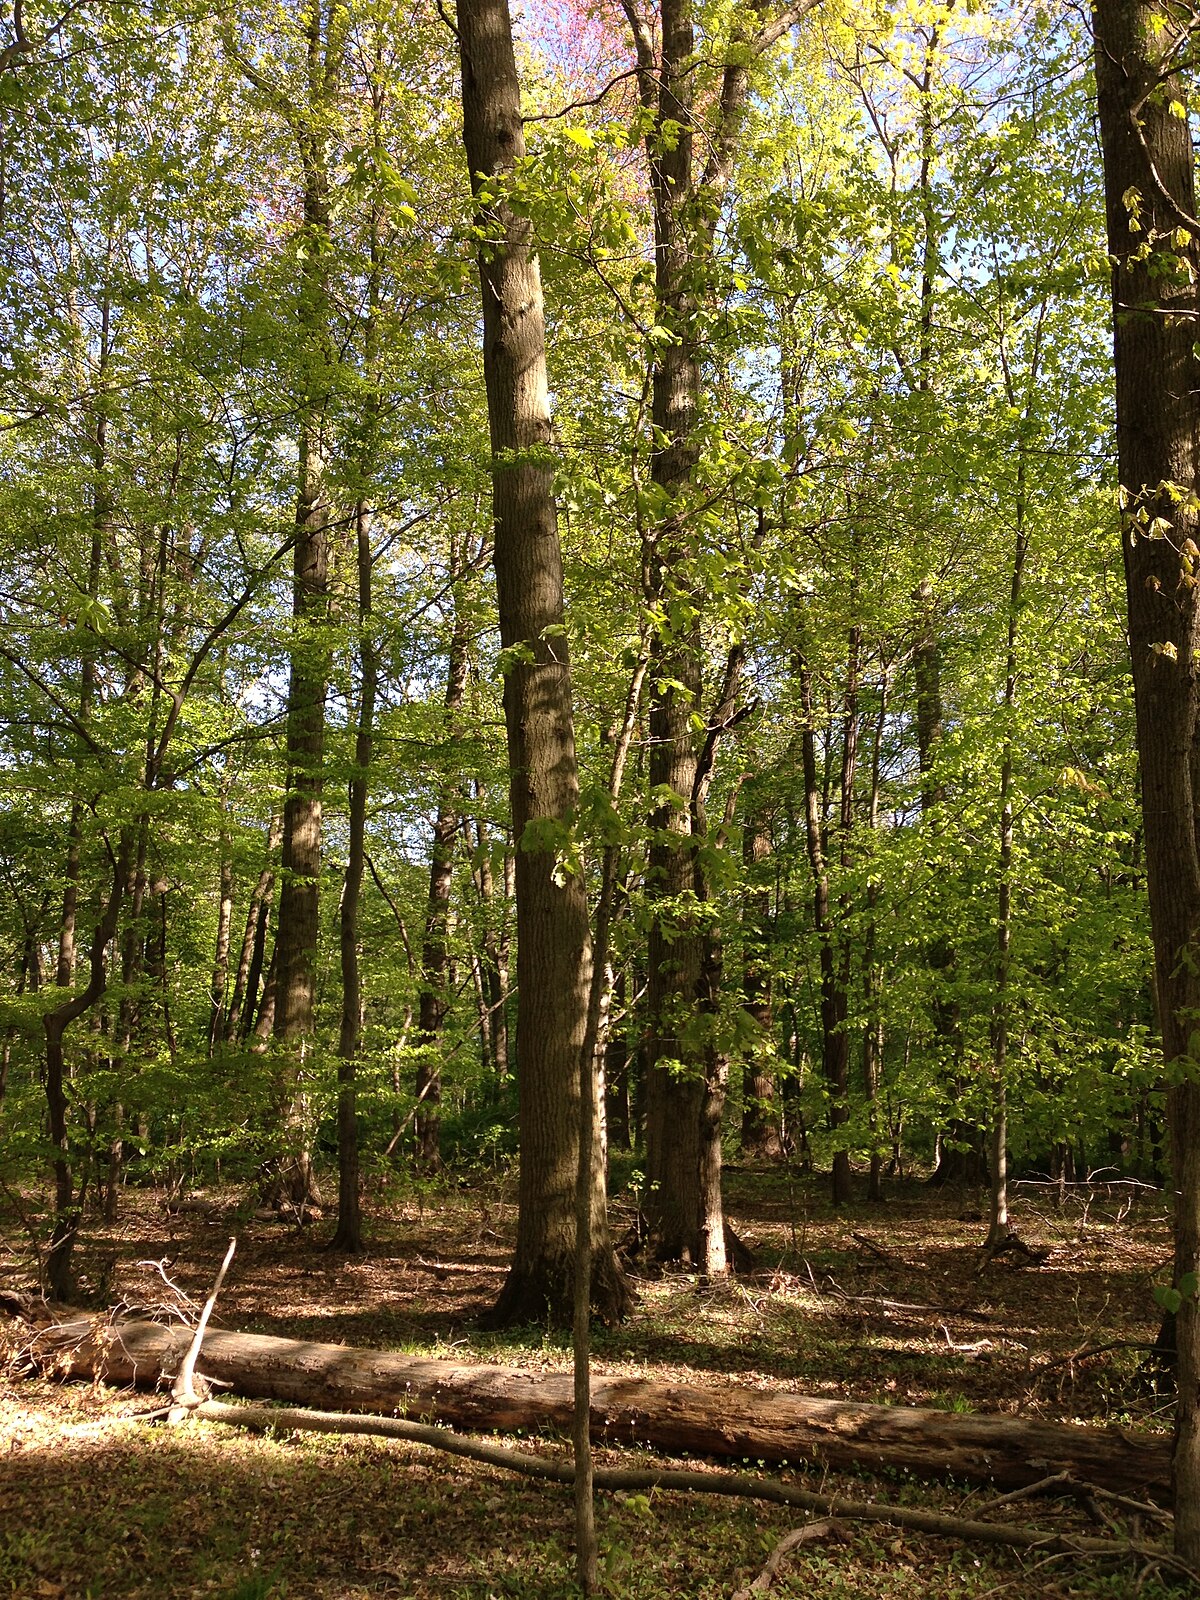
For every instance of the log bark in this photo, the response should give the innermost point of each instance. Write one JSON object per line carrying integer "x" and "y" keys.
{"x": 729, "y": 1420}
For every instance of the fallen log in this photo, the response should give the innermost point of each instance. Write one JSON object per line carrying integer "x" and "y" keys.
{"x": 729, "y": 1420}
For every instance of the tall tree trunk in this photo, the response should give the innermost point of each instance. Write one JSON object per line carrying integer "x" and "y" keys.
{"x": 553, "y": 953}
{"x": 835, "y": 1039}
{"x": 1154, "y": 245}
{"x": 998, "y": 1230}
{"x": 960, "y": 1159}
{"x": 298, "y": 931}
{"x": 760, "y": 1109}
{"x": 687, "y": 196}
{"x": 348, "y": 1234}
{"x": 435, "y": 946}
{"x": 873, "y": 1032}
{"x": 675, "y": 952}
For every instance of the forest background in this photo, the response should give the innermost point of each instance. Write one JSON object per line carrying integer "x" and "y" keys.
{"x": 856, "y": 621}
{"x": 400, "y": 727}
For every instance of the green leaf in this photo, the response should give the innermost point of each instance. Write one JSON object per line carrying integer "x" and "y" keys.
{"x": 1169, "y": 1299}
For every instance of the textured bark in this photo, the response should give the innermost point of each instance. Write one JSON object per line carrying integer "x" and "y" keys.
{"x": 553, "y": 956}
{"x": 689, "y": 178}
{"x": 1153, "y": 244}
{"x": 675, "y": 1090}
{"x": 726, "y": 1420}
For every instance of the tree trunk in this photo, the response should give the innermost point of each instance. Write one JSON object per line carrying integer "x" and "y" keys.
{"x": 68, "y": 1204}
{"x": 348, "y": 1234}
{"x": 998, "y": 1230}
{"x": 298, "y": 932}
{"x": 493, "y": 950}
{"x": 960, "y": 1159}
{"x": 760, "y": 1109}
{"x": 244, "y": 1000}
{"x": 1153, "y": 239}
{"x": 873, "y": 1031}
{"x": 553, "y": 955}
{"x": 218, "y": 989}
{"x": 835, "y": 1039}
{"x": 726, "y": 1420}
{"x": 435, "y": 946}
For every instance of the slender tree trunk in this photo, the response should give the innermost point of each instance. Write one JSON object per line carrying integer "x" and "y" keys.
{"x": 218, "y": 990}
{"x": 348, "y": 1234}
{"x": 835, "y": 1040}
{"x": 493, "y": 949}
{"x": 873, "y": 1033}
{"x": 553, "y": 952}
{"x": 760, "y": 1110}
{"x": 960, "y": 1148}
{"x": 264, "y": 1019}
{"x": 298, "y": 932}
{"x": 998, "y": 1229}
{"x": 244, "y": 999}
{"x": 1153, "y": 234}
{"x": 68, "y": 1204}
{"x": 618, "y": 1110}
{"x": 435, "y": 946}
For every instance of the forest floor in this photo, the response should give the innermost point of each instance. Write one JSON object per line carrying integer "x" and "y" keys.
{"x": 881, "y": 1303}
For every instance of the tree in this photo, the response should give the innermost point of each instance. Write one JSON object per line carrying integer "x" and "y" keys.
{"x": 689, "y": 181}
{"x": 1143, "y": 48}
{"x": 553, "y": 949}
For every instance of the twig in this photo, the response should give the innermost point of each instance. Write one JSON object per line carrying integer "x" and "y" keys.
{"x": 1095, "y": 1350}
{"x": 403, "y": 1128}
{"x": 877, "y": 1250}
{"x": 161, "y": 1268}
{"x": 827, "y": 1528}
{"x": 15, "y": 1202}
{"x": 955, "y": 1313}
{"x": 1042, "y": 1486}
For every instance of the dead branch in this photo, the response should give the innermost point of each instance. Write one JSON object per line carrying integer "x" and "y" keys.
{"x": 731, "y": 1484}
{"x": 827, "y": 1528}
{"x": 183, "y": 1390}
{"x": 878, "y": 1251}
{"x": 731, "y": 1420}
